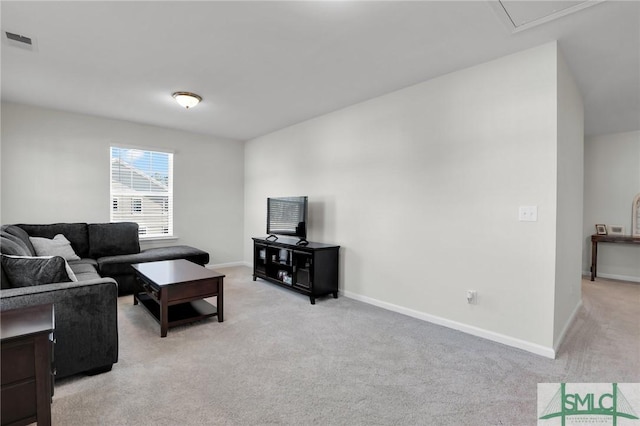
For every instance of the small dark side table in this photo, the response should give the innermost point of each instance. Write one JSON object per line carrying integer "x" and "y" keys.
{"x": 617, "y": 239}
{"x": 27, "y": 356}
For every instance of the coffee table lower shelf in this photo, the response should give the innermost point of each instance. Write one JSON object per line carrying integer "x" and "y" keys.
{"x": 183, "y": 313}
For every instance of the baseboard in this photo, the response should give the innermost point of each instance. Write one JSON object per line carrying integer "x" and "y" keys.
{"x": 631, "y": 278}
{"x": 465, "y": 328}
{"x": 224, "y": 265}
{"x": 558, "y": 342}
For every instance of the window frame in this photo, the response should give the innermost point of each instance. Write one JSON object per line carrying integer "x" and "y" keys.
{"x": 154, "y": 223}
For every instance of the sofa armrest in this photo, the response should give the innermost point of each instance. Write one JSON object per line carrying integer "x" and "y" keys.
{"x": 10, "y": 293}
{"x": 86, "y": 321}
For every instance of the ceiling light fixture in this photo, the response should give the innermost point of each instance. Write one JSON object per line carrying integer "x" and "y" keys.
{"x": 187, "y": 99}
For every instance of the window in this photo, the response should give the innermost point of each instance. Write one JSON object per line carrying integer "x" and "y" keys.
{"x": 142, "y": 190}
{"x": 136, "y": 206}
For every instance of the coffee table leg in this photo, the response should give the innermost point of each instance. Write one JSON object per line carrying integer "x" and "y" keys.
{"x": 164, "y": 317}
{"x": 220, "y": 300}
{"x": 135, "y": 291}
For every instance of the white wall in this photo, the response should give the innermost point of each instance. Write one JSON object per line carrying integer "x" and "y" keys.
{"x": 568, "y": 292}
{"x": 55, "y": 168}
{"x": 612, "y": 179}
{"x": 421, "y": 188}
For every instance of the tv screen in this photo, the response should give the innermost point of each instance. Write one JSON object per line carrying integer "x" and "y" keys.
{"x": 287, "y": 216}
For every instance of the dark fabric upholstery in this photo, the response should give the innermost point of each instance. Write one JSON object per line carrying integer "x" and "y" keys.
{"x": 111, "y": 239}
{"x": 11, "y": 245}
{"x": 8, "y": 245}
{"x": 22, "y": 235}
{"x": 119, "y": 267}
{"x": 24, "y": 272}
{"x": 84, "y": 271}
{"x": 126, "y": 283}
{"x": 86, "y": 311}
{"x": 115, "y": 245}
{"x": 86, "y": 318}
{"x": 85, "y": 260}
{"x": 14, "y": 241}
{"x": 4, "y": 280}
{"x": 76, "y": 233}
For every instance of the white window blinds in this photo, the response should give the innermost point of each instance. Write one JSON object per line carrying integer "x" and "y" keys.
{"x": 142, "y": 190}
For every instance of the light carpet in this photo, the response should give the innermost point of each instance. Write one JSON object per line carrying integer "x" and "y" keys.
{"x": 277, "y": 359}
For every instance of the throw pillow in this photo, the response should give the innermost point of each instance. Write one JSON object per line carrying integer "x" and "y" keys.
{"x": 58, "y": 246}
{"x": 67, "y": 267}
{"x": 21, "y": 234}
{"x": 9, "y": 245}
{"x": 22, "y": 271}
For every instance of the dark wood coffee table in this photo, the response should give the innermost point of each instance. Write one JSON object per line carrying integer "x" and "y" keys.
{"x": 173, "y": 292}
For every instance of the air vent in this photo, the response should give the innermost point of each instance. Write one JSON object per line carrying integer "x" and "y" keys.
{"x": 19, "y": 40}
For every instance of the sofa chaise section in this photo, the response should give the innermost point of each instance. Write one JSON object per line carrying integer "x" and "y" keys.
{"x": 119, "y": 267}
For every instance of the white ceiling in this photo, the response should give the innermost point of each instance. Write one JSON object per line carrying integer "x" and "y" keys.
{"x": 262, "y": 66}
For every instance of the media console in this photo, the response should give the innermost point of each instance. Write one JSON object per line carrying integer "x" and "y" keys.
{"x": 310, "y": 269}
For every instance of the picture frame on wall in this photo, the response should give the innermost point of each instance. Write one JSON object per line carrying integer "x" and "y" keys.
{"x": 601, "y": 229}
{"x": 615, "y": 229}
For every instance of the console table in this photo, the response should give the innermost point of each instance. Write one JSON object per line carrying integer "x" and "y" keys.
{"x": 310, "y": 269}
{"x": 618, "y": 239}
{"x": 27, "y": 354}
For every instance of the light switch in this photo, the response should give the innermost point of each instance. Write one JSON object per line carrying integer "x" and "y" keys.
{"x": 528, "y": 214}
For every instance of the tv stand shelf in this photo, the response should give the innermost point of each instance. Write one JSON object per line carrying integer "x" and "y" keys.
{"x": 310, "y": 269}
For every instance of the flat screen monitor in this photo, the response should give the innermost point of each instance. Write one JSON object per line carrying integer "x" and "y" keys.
{"x": 287, "y": 216}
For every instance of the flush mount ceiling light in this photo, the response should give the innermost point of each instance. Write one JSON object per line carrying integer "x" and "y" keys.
{"x": 187, "y": 99}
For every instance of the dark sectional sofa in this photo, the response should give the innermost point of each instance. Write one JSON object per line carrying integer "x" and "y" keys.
{"x": 85, "y": 310}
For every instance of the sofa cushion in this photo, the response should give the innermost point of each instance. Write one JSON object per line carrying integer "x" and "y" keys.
{"x": 20, "y": 234}
{"x": 10, "y": 244}
{"x": 58, "y": 246}
{"x": 86, "y": 260}
{"x": 28, "y": 271}
{"x": 76, "y": 233}
{"x": 112, "y": 239}
{"x": 84, "y": 271}
{"x": 112, "y": 266}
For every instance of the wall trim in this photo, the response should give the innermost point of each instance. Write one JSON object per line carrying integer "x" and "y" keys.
{"x": 465, "y": 328}
{"x": 567, "y": 326}
{"x": 587, "y": 276}
{"x": 224, "y": 265}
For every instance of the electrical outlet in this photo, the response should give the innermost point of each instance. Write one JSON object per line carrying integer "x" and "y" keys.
{"x": 472, "y": 297}
{"x": 528, "y": 214}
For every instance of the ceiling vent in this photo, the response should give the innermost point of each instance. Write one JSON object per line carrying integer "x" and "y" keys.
{"x": 18, "y": 40}
{"x": 522, "y": 15}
